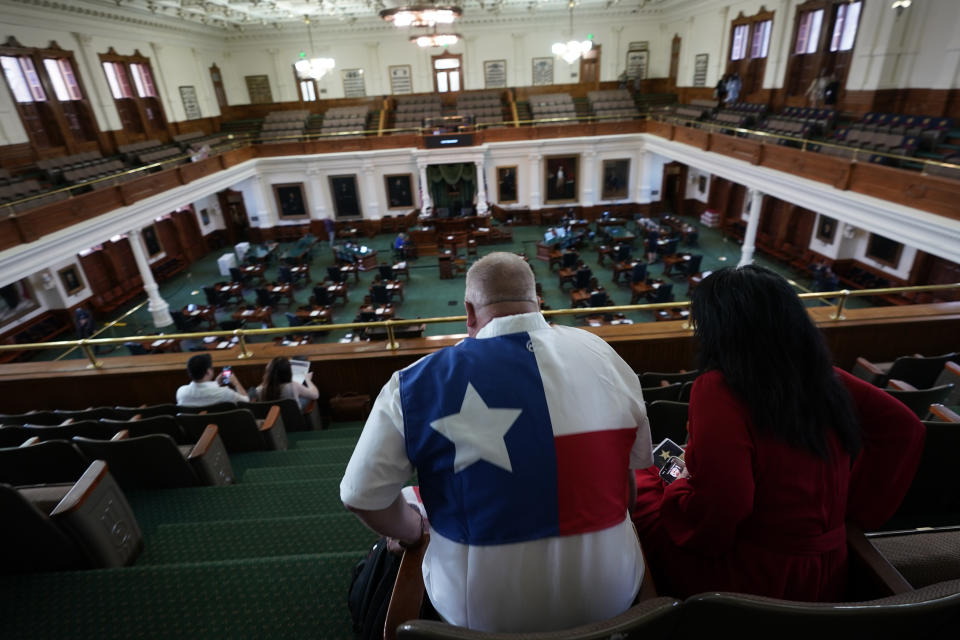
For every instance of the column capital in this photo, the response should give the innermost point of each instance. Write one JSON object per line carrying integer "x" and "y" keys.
{"x": 589, "y": 153}
{"x": 535, "y": 157}
{"x": 82, "y": 38}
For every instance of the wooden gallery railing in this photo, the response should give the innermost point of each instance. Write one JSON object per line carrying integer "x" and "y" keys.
{"x": 878, "y": 332}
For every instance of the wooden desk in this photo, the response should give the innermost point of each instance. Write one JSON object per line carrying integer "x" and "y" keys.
{"x": 262, "y": 315}
{"x": 671, "y": 314}
{"x": 695, "y": 280}
{"x": 314, "y": 315}
{"x": 579, "y": 298}
{"x": 611, "y": 222}
{"x": 450, "y": 265}
{"x": 669, "y": 262}
{"x": 403, "y": 331}
{"x": 623, "y": 267}
{"x": 401, "y": 268}
{"x": 163, "y": 345}
{"x": 205, "y": 312}
{"x": 281, "y": 290}
{"x": 230, "y": 290}
{"x": 337, "y": 290}
{"x": 599, "y": 320}
{"x": 254, "y": 271}
{"x": 214, "y": 343}
{"x": 395, "y": 288}
{"x": 642, "y": 289}
{"x": 383, "y": 312}
{"x": 300, "y": 271}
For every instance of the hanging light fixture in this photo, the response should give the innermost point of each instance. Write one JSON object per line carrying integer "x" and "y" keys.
{"x": 434, "y": 39}
{"x": 422, "y": 15}
{"x": 313, "y": 68}
{"x": 571, "y": 50}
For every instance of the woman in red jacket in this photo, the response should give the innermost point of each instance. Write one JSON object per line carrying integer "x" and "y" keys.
{"x": 783, "y": 449}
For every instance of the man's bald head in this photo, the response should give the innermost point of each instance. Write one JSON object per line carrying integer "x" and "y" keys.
{"x": 499, "y": 284}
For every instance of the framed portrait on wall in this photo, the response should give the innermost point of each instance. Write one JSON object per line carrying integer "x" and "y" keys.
{"x": 151, "y": 241}
{"x": 494, "y": 74}
{"x": 542, "y": 71}
{"x": 616, "y": 179}
{"x": 346, "y": 199}
{"x": 401, "y": 79}
{"x": 70, "y": 278}
{"x": 399, "y": 191}
{"x": 826, "y": 229}
{"x": 291, "y": 200}
{"x": 561, "y": 179}
{"x": 506, "y": 185}
{"x": 884, "y": 250}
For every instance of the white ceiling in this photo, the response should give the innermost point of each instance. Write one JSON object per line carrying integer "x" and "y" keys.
{"x": 254, "y": 15}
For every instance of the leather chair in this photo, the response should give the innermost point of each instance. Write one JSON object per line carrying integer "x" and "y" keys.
{"x": 65, "y": 526}
{"x": 54, "y": 461}
{"x": 665, "y": 392}
{"x": 157, "y": 462}
{"x": 239, "y": 430}
{"x": 653, "y": 378}
{"x": 668, "y": 419}
{"x": 917, "y": 400}
{"x": 921, "y": 372}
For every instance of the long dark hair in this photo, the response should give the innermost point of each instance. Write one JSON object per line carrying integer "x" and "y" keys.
{"x": 754, "y": 330}
{"x": 277, "y": 374}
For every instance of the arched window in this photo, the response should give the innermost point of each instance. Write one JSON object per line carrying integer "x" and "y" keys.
{"x": 134, "y": 93}
{"x": 749, "y": 46}
{"x": 49, "y": 96}
{"x": 824, "y": 36}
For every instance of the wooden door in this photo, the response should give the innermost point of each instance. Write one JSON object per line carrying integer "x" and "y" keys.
{"x": 590, "y": 67}
{"x": 674, "y": 60}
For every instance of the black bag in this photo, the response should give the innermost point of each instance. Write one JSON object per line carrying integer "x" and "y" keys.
{"x": 370, "y": 588}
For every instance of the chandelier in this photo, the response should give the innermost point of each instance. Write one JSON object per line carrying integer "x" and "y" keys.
{"x": 425, "y": 15}
{"x": 571, "y": 50}
{"x": 435, "y": 39}
{"x": 312, "y": 68}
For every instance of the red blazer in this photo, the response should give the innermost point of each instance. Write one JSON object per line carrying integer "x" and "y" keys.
{"x": 759, "y": 516}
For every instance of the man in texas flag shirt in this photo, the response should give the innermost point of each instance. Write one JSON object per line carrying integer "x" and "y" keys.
{"x": 522, "y": 437}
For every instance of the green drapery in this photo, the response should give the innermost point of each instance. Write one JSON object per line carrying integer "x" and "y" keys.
{"x": 452, "y": 186}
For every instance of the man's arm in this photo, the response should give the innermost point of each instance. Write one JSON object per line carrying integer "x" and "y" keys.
{"x": 400, "y": 521}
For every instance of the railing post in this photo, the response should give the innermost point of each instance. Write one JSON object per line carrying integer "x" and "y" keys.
{"x": 838, "y": 314}
{"x": 244, "y": 354}
{"x": 94, "y": 363}
{"x": 392, "y": 344}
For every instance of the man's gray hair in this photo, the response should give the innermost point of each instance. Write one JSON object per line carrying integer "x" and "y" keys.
{"x": 500, "y": 277}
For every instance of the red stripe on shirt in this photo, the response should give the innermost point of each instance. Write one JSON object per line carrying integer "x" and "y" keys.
{"x": 592, "y": 479}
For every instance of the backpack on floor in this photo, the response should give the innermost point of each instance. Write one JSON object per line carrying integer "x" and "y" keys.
{"x": 371, "y": 585}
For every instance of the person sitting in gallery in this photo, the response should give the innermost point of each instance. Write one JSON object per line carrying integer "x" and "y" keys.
{"x": 278, "y": 383}
{"x": 783, "y": 450}
{"x": 207, "y": 387}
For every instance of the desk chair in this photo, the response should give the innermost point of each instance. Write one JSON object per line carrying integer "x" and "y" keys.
{"x": 238, "y": 276}
{"x": 266, "y": 298}
{"x": 599, "y": 298}
{"x": 663, "y": 293}
{"x": 689, "y": 267}
{"x": 379, "y": 295}
{"x": 214, "y": 299}
{"x": 582, "y": 278}
{"x": 918, "y": 400}
{"x": 321, "y": 297}
{"x": 335, "y": 275}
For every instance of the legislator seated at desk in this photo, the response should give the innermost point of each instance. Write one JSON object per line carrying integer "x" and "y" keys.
{"x": 400, "y": 332}
{"x": 327, "y": 292}
{"x": 314, "y": 315}
{"x": 362, "y": 256}
{"x": 227, "y": 291}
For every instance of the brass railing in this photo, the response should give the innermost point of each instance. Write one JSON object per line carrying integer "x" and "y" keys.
{"x": 856, "y": 153}
{"x": 391, "y": 344}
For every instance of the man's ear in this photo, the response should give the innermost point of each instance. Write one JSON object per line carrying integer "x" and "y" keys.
{"x": 471, "y": 317}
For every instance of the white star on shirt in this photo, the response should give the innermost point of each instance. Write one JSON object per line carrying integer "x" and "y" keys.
{"x": 477, "y": 432}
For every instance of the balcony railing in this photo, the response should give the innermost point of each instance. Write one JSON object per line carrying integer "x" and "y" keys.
{"x": 390, "y": 326}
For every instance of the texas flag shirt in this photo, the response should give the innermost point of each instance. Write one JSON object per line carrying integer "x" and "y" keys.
{"x": 521, "y": 440}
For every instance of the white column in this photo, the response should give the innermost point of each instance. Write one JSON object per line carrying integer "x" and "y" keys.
{"x": 372, "y": 208}
{"x": 266, "y": 206}
{"x": 315, "y": 192}
{"x": 536, "y": 180}
{"x": 426, "y": 204}
{"x": 589, "y": 175}
{"x": 753, "y": 223}
{"x": 104, "y": 108}
{"x": 157, "y": 305}
{"x": 171, "y": 108}
{"x": 481, "y": 188}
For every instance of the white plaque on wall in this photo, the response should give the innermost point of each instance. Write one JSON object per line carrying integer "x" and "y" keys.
{"x": 353, "y": 83}
{"x": 700, "y": 69}
{"x": 542, "y": 71}
{"x": 191, "y": 106}
{"x": 400, "y": 80}
{"x": 494, "y": 74}
{"x": 637, "y": 64}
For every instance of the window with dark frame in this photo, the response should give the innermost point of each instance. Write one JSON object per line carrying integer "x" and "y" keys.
{"x": 134, "y": 91}
{"x": 845, "y": 25}
{"x": 738, "y": 48}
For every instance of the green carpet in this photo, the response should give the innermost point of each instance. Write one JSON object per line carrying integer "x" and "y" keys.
{"x": 301, "y": 596}
{"x": 291, "y": 457}
{"x": 236, "y": 502}
{"x": 235, "y": 539}
{"x": 301, "y": 472}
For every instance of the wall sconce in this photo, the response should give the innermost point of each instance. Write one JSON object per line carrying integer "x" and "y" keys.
{"x": 900, "y": 5}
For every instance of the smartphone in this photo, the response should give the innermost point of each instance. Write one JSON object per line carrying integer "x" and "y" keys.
{"x": 673, "y": 469}
{"x": 225, "y": 376}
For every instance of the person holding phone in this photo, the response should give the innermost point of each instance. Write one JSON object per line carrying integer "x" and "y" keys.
{"x": 207, "y": 387}
{"x": 783, "y": 450}
{"x": 278, "y": 383}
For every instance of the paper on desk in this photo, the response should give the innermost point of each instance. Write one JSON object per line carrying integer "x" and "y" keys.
{"x": 157, "y": 343}
{"x": 223, "y": 345}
